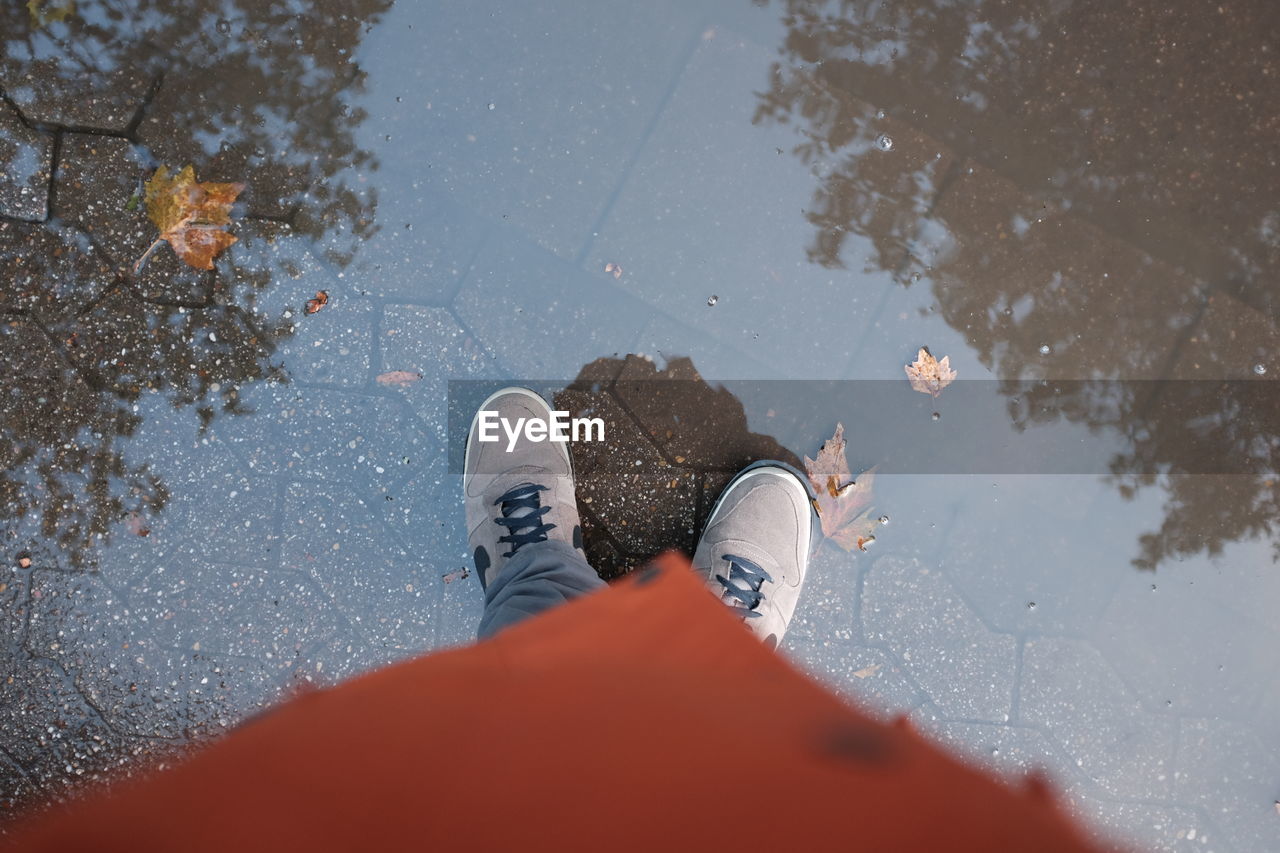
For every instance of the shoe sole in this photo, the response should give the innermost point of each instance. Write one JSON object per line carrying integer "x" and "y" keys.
{"x": 510, "y": 389}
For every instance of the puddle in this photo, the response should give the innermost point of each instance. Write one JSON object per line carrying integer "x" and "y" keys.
{"x": 208, "y": 496}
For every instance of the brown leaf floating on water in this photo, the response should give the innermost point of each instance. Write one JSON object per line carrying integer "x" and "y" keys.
{"x": 928, "y": 375}
{"x": 843, "y": 503}
{"x": 190, "y": 215}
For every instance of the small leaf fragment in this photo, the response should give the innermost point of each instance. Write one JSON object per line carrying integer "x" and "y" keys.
{"x": 457, "y": 574}
{"x": 398, "y": 378}
{"x": 867, "y": 671}
{"x": 24, "y": 562}
{"x": 321, "y": 300}
{"x": 928, "y": 375}
{"x": 45, "y": 12}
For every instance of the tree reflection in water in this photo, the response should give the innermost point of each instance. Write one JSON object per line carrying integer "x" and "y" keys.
{"x": 244, "y": 90}
{"x": 1081, "y": 209}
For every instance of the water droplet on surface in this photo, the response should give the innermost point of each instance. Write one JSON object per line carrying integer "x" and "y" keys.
{"x": 1044, "y": 349}
{"x": 1031, "y": 605}
{"x": 712, "y": 299}
{"x": 224, "y": 26}
{"x": 879, "y": 113}
{"x": 884, "y": 142}
{"x": 492, "y": 105}
{"x": 884, "y": 519}
{"x": 1260, "y": 369}
{"x": 995, "y": 751}
{"x": 937, "y": 416}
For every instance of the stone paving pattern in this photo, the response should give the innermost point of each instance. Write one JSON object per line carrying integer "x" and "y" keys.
{"x": 311, "y": 539}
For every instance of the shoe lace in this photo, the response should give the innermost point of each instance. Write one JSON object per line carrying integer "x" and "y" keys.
{"x": 522, "y": 514}
{"x": 747, "y": 598}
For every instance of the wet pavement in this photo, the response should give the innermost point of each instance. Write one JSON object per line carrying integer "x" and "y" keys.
{"x": 210, "y": 500}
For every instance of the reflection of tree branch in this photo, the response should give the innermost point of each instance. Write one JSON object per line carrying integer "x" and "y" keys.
{"x": 269, "y": 91}
{"x": 980, "y": 59}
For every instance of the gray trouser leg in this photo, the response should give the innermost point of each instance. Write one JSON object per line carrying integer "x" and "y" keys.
{"x": 538, "y": 577}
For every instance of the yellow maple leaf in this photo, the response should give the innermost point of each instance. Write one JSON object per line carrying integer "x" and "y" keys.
{"x": 190, "y": 215}
{"x": 45, "y": 12}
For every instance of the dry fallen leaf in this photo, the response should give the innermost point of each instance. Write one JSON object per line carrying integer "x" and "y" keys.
{"x": 45, "y": 12}
{"x": 190, "y": 216}
{"x": 928, "y": 375}
{"x": 321, "y": 299}
{"x": 398, "y": 378}
{"x": 137, "y": 525}
{"x": 843, "y": 504}
{"x": 867, "y": 671}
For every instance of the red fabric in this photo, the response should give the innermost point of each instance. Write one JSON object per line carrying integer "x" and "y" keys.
{"x": 641, "y": 717}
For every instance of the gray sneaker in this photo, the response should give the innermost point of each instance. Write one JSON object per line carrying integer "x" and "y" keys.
{"x": 755, "y": 548}
{"x": 518, "y": 497}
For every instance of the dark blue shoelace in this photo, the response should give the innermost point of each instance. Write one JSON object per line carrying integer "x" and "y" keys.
{"x": 525, "y": 528}
{"x": 752, "y": 575}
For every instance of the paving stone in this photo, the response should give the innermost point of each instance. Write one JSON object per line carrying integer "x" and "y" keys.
{"x": 198, "y": 355}
{"x": 828, "y": 610}
{"x": 261, "y": 614}
{"x": 868, "y": 677}
{"x": 55, "y": 429}
{"x": 691, "y": 421}
{"x": 387, "y": 595}
{"x": 1216, "y": 756}
{"x": 422, "y": 245}
{"x": 688, "y": 225}
{"x": 18, "y": 789}
{"x": 966, "y": 669}
{"x": 366, "y": 442}
{"x": 430, "y": 342}
{"x": 425, "y": 510}
{"x": 1068, "y": 688}
{"x": 1141, "y": 825}
{"x": 48, "y": 271}
{"x": 1221, "y": 669}
{"x": 90, "y": 72}
{"x": 27, "y": 157}
{"x": 334, "y": 658}
{"x": 14, "y": 606}
{"x": 1009, "y": 268}
{"x": 271, "y": 273}
{"x": 98, "y": 179}
{"x": 646, "y": 504}
{"x": 80, "y": 624}
{"x": 1010, "y": 751}
{"x": 666, "y": 339}
{"x": 49, "y": 726}
{"x": 520, "y": 297}
{"x": 1014, "y": 587}
{"x": 230, "y": 512}
{"x": 267, "y": 97}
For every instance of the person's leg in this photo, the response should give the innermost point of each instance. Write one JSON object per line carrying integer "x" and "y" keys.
{"x": 522, "y": 515}
{"x": 538, "y": 578}
{"x": 754, "y": 551}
